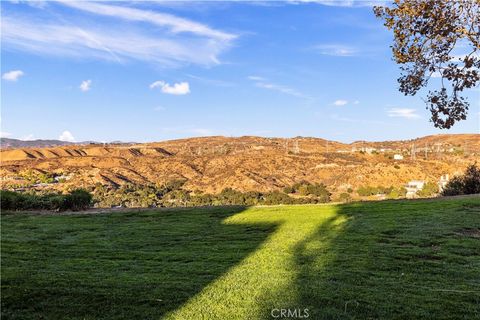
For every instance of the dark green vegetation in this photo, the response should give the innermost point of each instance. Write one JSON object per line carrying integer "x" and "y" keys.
{"x": 75, "y": 200}
{"x": 390, "y": 192}
{"x": 468, "y": 183}
{"x": 380, "y": 260}
{"x": 173, "y": 195}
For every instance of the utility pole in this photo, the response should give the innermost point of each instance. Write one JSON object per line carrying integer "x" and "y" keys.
{"x": 412, "y": 153}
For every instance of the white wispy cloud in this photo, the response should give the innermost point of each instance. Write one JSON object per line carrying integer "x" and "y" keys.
{"x": 66, "y": 136}
{"x": 169, "y": 41}
{"x": 213, "y": 82}
{"x": 262, "y": 82}
{"x": 403, "y": 113}
{"x": 85, "y": 85}
{"x": 180, "y": 88}
{"x": 343, "y": 3}
{"x": 340, "y": 102}
{"x": 173, "y": 23}
{"x": 32, "y": 3}
{"x": 13, "y": 75}
{"x": 4, "y": 134}
{"x": 337, "y": 50}
{"x": 256, "y": 78}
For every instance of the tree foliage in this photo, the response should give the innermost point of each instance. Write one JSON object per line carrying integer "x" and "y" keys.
{"x": 426, "y": 33}
{"x": 468, "y": 183}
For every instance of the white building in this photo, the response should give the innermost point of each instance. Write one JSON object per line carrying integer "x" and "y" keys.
{"x": 397, "y": 157}
{"x": 413, "y": 187}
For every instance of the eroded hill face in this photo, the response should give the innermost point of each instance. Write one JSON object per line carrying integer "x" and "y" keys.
{"x": 247, "y": 163}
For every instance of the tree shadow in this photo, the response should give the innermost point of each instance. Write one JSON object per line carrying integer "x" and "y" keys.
{"x": 390, "y": 260}
{"x": 120, "y": 266}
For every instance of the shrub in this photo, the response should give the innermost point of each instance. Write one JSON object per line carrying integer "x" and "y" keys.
{"x": 468, "y": 183}
{"x": 428, "y": 190}
{"x": 288, "y": 190}
{"x": 397, "y": 193}
{"x": 76, "y": 200}
{"x": 345, "y": 197}
{"x": 277, "y": 197}
{"x": 8, "y": 200}
{"x": 471, "y": 180}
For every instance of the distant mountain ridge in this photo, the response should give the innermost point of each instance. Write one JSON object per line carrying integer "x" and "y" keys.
{"x": 6, "y": 143}
{"x": 39, "y": 143}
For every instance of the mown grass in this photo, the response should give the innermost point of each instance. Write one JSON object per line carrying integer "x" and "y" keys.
{"x": 385, "y": 260}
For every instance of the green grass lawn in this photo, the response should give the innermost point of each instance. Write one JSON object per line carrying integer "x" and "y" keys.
{"x": 383, "y": 260}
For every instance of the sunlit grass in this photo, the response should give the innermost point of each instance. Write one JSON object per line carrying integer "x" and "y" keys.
{"x": 268, "y": 275}
{"x": 403, "y": 259}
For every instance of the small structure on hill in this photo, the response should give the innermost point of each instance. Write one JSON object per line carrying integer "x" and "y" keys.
{"x": 443, "y": 182}
{"x": 397, "y": 157}
{"x": 413, "y": 187}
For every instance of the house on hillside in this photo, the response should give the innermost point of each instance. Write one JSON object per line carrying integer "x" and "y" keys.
{"x": 397, "y": 157}
{"x": 413, "y": 187}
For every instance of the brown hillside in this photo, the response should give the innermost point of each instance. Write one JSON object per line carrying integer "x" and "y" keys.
{"x": 247, "y": 163}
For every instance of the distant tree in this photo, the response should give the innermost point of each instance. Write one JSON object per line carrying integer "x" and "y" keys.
{"x": 425, "y": 34}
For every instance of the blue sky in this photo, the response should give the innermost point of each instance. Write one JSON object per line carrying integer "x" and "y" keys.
{"x": 150, "y": 71}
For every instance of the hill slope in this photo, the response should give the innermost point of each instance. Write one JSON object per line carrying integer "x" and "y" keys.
{"x": 211, "y": 164}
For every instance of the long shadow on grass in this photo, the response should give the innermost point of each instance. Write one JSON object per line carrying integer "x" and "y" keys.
{"x": 117, "y": 266}
{"x": 391, "y": 260}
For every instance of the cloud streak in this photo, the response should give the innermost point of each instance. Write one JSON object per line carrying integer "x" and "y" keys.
{"x": 343, "y": 3}
{"x": 336, "y": 50}
{"x": 173, "y": 23}
{"x": 263, "y": 83}
{"x": 340, "y": 102}
{"x": 169, "y": 41}
{"x": 403, "y": 113}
